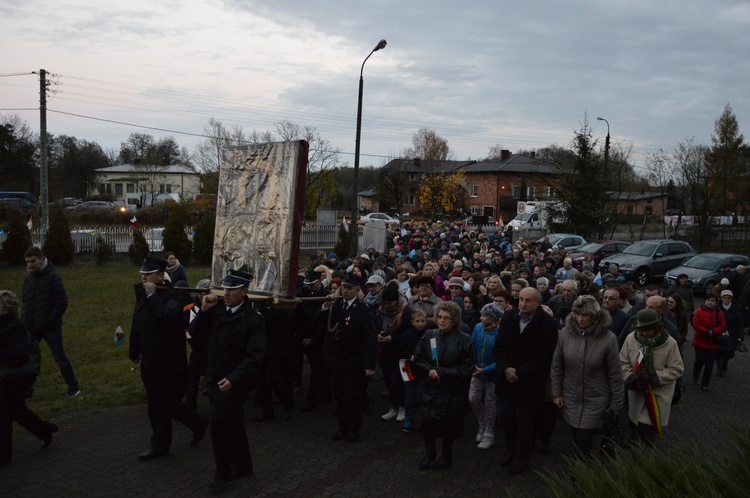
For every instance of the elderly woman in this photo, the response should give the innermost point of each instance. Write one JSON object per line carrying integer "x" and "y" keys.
{"x": 651, "y": 364}
{"x": 482, "y": 396}
{"x": 586, "y": 376}
{"x": 19, "y": 367}
{"x": 709, "y": 325}
{"x": 444, "y": 360}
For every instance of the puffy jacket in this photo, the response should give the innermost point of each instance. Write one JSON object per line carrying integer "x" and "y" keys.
{"x": 44, "y": 301}
{"x": 484, "y": 341}
{"x": 706, "y": 319}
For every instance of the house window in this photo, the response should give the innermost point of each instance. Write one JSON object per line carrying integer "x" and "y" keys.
{"x": 549, "y": 192}
{"x": 649, "y": 210}
{"x": 118, "y": 189}
{"x": 409, "y": 200}
{"x": 474, "y": 210}
{"x": 412, "y": 177}
{"x": 131, "y": 188}
{"x": 105, "y": 188}
{"x": 165, "y": 189}
{"x": 473, "y": 190}
{"x": 530, "y": 192}
{"x": 517, "y": 191}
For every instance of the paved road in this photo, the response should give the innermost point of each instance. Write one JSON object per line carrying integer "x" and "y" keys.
{"x": 94, "y": 454}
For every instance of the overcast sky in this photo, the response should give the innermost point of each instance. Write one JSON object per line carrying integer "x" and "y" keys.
{"x": 523, "y": 74}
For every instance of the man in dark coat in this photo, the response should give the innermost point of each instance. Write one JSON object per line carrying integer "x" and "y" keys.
{"x": 44, "y": 304}
{"x": 523, "y": 352}
{"x": 157, "y": 343}
{"x": 350, "y": 352}
{"x": 236, "y": 348}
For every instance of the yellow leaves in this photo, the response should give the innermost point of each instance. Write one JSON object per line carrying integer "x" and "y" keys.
{"x": 442, "y": 192}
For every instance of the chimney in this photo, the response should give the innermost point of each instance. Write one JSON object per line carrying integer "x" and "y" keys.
{"x": 533, "y": 154}
{"x": 504, "y": 155}
{"x": 418, "y": 162}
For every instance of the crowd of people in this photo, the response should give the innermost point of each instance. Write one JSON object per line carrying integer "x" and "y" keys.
{"x": 457, "y": 323}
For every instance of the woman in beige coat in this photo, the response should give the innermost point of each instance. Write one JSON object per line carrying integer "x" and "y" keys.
{"x": 586, "y": 376}
{"x": 651, "y": 363}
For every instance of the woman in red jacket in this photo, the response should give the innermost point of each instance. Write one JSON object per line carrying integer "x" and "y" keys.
{"x": 709, "y": 324}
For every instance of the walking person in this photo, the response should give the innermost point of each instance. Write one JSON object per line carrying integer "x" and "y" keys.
{"x": 157, "y": 344}
{"x": 236, "y": 347}
{"x": 733, "y": 336}
{"x": 482, "y": 396}
{"x": 44, "y": 304}
{"x": 19, "y": 367}
{"x": 709, "y": 325}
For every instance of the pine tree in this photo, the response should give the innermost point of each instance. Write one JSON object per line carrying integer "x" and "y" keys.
{"x": 58, "y": 246}
{"x": 174, "y": 236}
{"x": 17, "y": 241}
{"x": 139, "y": 249}
{"x": 203, "y": 240}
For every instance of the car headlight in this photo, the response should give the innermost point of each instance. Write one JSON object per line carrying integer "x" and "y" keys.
{"x": 696, "y": 280}
{"x": 625, "y": 266}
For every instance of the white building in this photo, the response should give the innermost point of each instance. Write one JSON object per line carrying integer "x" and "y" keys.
{"x": 141, "y": 185}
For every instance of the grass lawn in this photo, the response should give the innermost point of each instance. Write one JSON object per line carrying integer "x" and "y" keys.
{"x": 99, "y": 299}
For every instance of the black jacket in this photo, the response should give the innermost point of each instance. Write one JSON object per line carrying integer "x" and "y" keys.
{"x": 236, "y": 343}
{"x": 351, "y": 339}
{"x": 157, "y": 332}
{"x": 529, "y": 353}
{"x": 44, "y": 301}
{"x": 19, "y": 353}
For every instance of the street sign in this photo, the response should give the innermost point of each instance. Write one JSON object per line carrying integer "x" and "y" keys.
{"x": 521, "y": 207}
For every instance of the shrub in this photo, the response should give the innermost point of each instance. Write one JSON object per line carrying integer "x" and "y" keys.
{"x": 342, "y": 246}
{"x": 102, "y": 252}
{"x": 18, "y": 240}
{"x": 58, "y": 246}
{"x": 138, "y": 250}
{"x": 174, "y": 236}
{"x": 203, "y": 240}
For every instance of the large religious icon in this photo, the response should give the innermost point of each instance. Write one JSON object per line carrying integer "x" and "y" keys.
{"x": 259, "y": 214}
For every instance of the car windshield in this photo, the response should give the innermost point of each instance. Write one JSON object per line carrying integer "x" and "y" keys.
{"x": 589, "y": 247}
{"x": 703, "y": 262}
{"x": 524, "y": 216}
{"x": 640, "y": 249}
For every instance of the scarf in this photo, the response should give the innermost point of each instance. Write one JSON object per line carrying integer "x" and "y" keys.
{"x": 392, "y": 319}
{"x": 371, "y": 300}
{"x": 648, "y": 344}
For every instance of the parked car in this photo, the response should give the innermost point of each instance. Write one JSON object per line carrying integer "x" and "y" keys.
{"x": 647, "y": 259}
{"x": 479, "y": 220}
{"x": 379, "y": 216}
{"x": 598, "y": 250}
{"x": 704, "y": 269}
{"x": 120, "y": 206}
{"x": 92, "y": 205}
{"x": 16, "y": 206}
{"x": 68, "y": 202}
{"x": 569, "y": 241}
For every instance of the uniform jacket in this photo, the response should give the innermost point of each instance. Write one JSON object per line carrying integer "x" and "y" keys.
{"x": 586, "y": 373}
{"x": 447, "y": 397}
{"x": 351, "y": 338}
{"x": 157, "y": 332}
{"x": 529, "y": 353}
{"x": 668, "y": 367}
{"x": 44, "y": 301}
{"x": 236, "y": 343}
{"x": 706, "y": 319}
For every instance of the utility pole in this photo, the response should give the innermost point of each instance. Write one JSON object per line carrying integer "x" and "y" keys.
{"x": 43, "y": 181}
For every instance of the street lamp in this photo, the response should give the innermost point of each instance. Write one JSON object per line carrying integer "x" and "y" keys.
{"x": 606, "y": 144}
{"x": 353, "y": 232}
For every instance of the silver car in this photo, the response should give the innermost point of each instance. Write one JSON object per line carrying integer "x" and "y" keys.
{"x": 647, "y": 259}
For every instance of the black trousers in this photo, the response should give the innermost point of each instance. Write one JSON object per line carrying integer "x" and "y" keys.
{"x": 275, "y": 379}
{"x": 163, "y": 396}
{"x": 518, "y": 421}
{"x": 320, "y": 386}
{"x": 13, "y": 408}
{"x": 347, "y": 390}
{"x": 228, "y": 433}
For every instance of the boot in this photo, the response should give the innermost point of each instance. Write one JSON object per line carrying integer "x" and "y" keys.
{"x": 488, "y": 441}
{"x": 480, "y": 432}
{"x": 391, "y": 415}
{"x": 429, "y": 457}
{"x": 446, "y": 457}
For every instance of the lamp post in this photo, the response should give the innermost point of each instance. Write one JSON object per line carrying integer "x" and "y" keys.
{"x": 606, "y": 144}
{"x": 354, "y": 232}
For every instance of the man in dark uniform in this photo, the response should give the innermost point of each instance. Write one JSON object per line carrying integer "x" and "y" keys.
{"x": 523, "y": 351}
{"x": 309, "y": 333}
{"x": 157, "y": 342}
{"x": 350, "y": 352}
{"x": 236, "y": 347}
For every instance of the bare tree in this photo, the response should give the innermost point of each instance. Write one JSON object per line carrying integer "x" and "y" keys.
{"x": 429, "y": 146}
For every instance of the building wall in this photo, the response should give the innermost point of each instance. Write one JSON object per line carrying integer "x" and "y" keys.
{"x": 497, "y": 192}
{"x": 184, "y": 185}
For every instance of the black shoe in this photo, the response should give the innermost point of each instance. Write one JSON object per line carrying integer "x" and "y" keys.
{"x": 443, "y": 462}
{"x": 353, "y": 436}
{"x": 506, "y": 460}
{"x": 287, "y": 414}
{"x": 704, "y": 388}
{"x": 200, "y": 433}
{"x": 239, "y": 474}
{"x": 308, "y": 408}
{"x": 339, "y": 435}
{"x": 427, "y": 461}
{"x": 152, "y": 454}
{"x": 516, "y": 469}
{"x": 52, "y": 429}
{"x": 217, "y": 482}
{"x": 262, "y": 418}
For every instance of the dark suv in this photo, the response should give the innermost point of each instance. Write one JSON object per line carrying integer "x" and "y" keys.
{"x": 647, "y": 259}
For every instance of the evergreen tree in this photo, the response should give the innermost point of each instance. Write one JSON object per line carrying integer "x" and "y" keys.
{"x": 58, "y": 245}
{"x": 138, "y": 250}
{"x": 17, "y": 241}
{"x": 203, "y": 240}
{"x": 342, "y": 246}
{"x": 174, "y": 237}
{"x": 102, "y": 252}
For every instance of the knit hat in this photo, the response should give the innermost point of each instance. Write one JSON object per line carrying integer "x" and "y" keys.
{"x": 390, "y": 293}
{"x": 724, "y": 281}
{"x": 727, "y": 292}
{"x": 492, "y": 311}
{"x": 456, "y": 282}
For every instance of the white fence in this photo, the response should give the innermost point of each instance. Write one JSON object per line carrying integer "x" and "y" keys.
{"x": 120, "y": 237}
